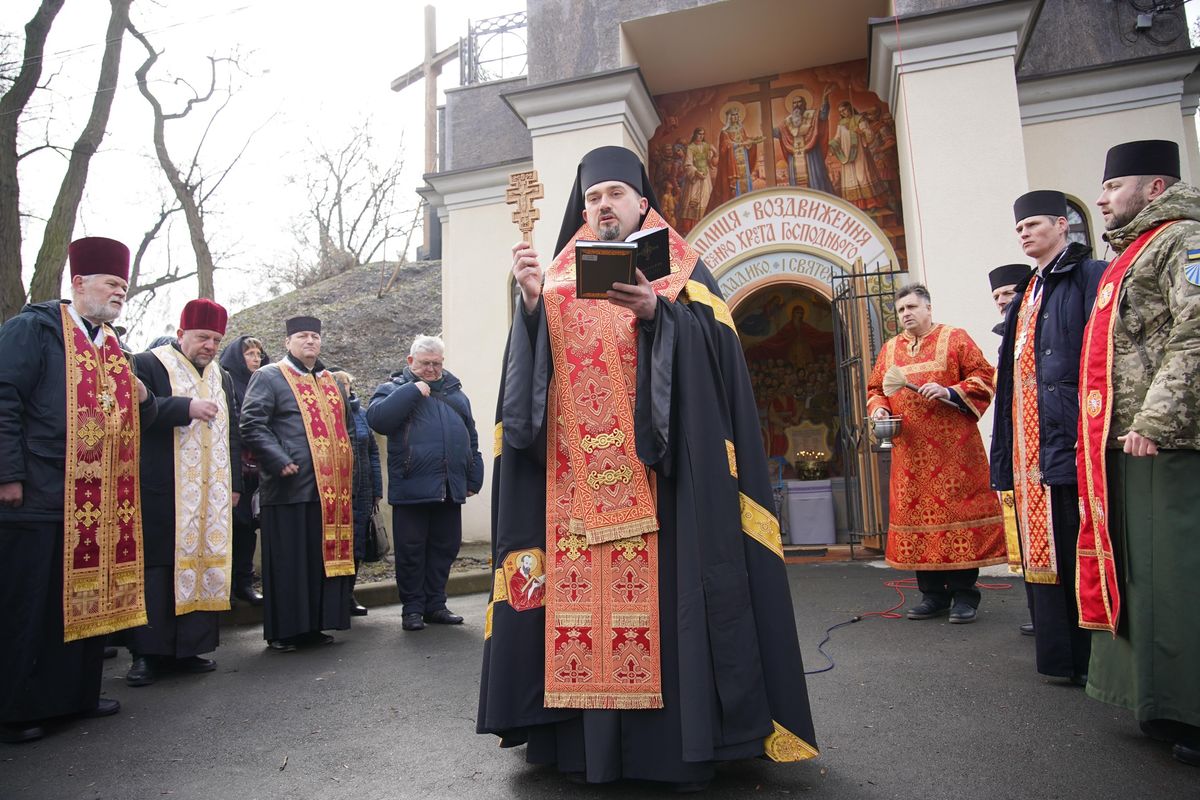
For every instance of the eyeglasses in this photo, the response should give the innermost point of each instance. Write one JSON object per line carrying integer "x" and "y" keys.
{"x": 421, "y": 363}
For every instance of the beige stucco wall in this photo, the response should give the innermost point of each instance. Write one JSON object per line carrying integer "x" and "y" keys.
{"x": 962, "y": 163}
{"x": 475, "y": 266}
{"x": 1068, "y": 154}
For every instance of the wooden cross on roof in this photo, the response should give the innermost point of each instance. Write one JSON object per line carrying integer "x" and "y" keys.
{"x": 523, "y": 189}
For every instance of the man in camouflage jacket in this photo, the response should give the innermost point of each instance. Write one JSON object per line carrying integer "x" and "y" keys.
{"x": 1151, "y": 662}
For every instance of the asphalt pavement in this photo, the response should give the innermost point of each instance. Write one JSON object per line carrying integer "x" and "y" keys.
{"x": 911, "y": 710}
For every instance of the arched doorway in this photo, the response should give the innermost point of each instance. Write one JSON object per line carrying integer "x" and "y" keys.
{"x": 786, "y": 328}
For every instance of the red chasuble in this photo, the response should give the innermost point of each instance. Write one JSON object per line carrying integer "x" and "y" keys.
{"x": 1096, "y": 572}
{"x": 942, "y": 511}
{"x": 102, "y": 512}
{"x": 324, "y": 417}
{"x": 602, "y": 634}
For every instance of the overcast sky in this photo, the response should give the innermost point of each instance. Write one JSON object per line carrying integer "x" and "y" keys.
{"x": 315, "y": 71}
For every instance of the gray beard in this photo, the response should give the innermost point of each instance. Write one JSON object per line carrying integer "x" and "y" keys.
{"x": 610, "y": 233}
{"x": 103, "y": 313}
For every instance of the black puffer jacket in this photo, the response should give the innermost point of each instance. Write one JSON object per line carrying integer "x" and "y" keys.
{"x": 1067, "y": 300}
{"x": 433, "y": 449}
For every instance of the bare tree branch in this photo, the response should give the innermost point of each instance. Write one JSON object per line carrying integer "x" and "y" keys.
{"x": 12, "y": 104}
{"x": 52, "y": 257}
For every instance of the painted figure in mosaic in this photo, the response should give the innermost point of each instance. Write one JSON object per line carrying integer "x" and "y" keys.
{"x": 296, "y": 419}
{"x": 943, "y": 519}
{"x": 804, "y": 138}
{"x": 191, "y": 480}
{"x": 621, "y": 425}
{"x": 860, "y": 184}
{"x": 737, "y": 157}
{"x": 698, "y": 164}
{"x": 1139, "y": 449}
{"x": 71, "y": 411}
{"x": 1037, "y": 420}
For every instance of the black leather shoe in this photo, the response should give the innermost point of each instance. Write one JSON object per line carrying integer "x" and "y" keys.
{"x": 104, "y": 708}
{"x": 1079, "y": 679}
{"x": 1027, "y": 629}
{"x": 195, "y": 664}
{"x": 412, "y": 622}
{"x": 249, "y": 594}
{"x": 927, "y": 609}
{"x": 962, "y": 614}
{"x": 282, "y": 646}
{"x": 141, "y": 672}
{"x": 443, "y": 616}
{"x": 21, "y": 733}
{"x": 1187, "y": 752}
{"x": 357, "y": 609}
{"x": 110, "y": 652}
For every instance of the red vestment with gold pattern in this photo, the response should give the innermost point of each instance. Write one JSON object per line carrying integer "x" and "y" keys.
{"x": 942, "y": 511}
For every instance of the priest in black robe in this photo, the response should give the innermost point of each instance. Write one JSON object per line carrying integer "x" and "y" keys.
{"x": 711, "y": 671}
{"x": 42, "y": 676}
{"x": 182, "y": 625}
{"x": 305, "y": 592}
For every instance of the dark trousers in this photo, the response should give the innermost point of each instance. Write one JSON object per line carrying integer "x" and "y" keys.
{"x": 427, "y": 537}
{"x": 41, "y": 676}
{"x": 948, "y": 586}
{"x": 1063, "y": 648}
{"x": 245, "y": 534}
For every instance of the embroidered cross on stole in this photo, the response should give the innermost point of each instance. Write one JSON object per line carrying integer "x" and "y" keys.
{"x": 102, "y": 512}
{"x": 203, "y": 490}
{"x": 322, "y": 410}
{"x": 602, "y": 634}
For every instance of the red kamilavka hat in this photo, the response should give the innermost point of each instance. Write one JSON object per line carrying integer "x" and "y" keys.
{"x": 204, "y": 315}
{"x": 95, "y": 255}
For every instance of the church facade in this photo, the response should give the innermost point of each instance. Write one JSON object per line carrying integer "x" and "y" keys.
{"x": 816, "y": 155}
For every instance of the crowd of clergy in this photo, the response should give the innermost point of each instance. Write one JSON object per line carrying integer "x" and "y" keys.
{"x": 131, "y": 487}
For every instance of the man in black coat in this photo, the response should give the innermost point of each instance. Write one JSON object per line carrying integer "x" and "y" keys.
{"x": 1037, "y": 420}
{"x": 434, "y": 465}
{"x": 42, "y": 675}
{"x": 191, "y": 479}
{"x": 307, "y": 556}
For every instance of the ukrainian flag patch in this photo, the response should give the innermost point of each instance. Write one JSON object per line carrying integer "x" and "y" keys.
{"x": 1191, "y": 269}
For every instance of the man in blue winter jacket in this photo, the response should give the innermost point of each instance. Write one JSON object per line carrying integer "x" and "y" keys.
{"x": 434, "y": 465}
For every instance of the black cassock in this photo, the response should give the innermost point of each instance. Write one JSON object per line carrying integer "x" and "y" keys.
{"x": 298, "y": 597}
{"x": 731, "y": 666}
{"x": 166, "y": 634}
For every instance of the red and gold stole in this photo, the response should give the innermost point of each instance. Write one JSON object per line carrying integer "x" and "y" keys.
{"x": 321, "y": 408}
{"x": 1096, "y": 574}
{"x": 602, "y": 635}
{"x": 1032, "y": 496}
{"x": 102, "y": 511}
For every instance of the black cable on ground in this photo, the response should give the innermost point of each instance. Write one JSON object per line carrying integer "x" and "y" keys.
{"x": 889, "y": 613}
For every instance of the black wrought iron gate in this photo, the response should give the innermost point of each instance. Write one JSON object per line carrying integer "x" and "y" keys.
{"x": 864, "y": 318}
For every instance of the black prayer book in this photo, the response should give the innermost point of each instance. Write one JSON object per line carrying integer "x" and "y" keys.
{"x": 598, "y": 265}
